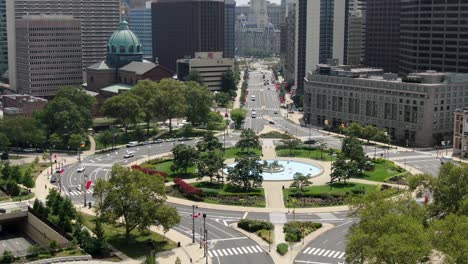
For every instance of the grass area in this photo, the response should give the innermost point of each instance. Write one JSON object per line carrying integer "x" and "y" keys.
{"x": 165, "y": 166}
{"x": 323, "y": 195}
{"x": 218, "y": 193}
{"x": 383, "y": 171}
{"x": 231, "y": 153}
{"x": 305, "y": 153}
{"x": 103, "y": 121}
{"x": 38, "y": 168}
{"x": 15, "y": 157}
{"x": 275, "y": 134}
{"x": 137, "y": 245}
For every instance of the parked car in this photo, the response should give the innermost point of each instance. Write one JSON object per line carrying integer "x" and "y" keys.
{"x": 276, "y": 112}
{"x": 29, "y": 150}
{"x": 184, "y": 139}
{"x": 158, "y": 141}
{"x": 53, "y": 179}
{"x": 80, "y": 169}
{"x": 271, "y": 122}
{"x": 132, "y": 144}
{"x": 2, "y": 210}
{"x": 170, "y": 140}
{"x": 445, "y": 159}
{"x": 129, "y": 155}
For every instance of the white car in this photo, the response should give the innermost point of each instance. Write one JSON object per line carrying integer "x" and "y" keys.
{"x": 132, "y": 144}
{"x": 80, "y": 169}
{"x": 128, "y": 155}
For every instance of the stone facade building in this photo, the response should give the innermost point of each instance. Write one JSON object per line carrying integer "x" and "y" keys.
{"x": 460, "y": 132}
{"x": 48, "y": 54}
{"x": 22, "y": 105}
{"x": 416, "y": 110}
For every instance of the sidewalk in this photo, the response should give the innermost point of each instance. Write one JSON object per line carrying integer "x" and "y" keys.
{"x": 236, "y": 103}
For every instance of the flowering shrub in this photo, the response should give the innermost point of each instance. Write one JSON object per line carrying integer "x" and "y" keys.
{"x": 187, "y": 189}
{"x": 149, "y": 171}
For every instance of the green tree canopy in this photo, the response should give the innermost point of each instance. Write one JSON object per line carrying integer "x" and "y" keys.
{"x": 199, "y": 101}
{"x": 21, "y": 131}
{"x": 238, "y": 116}
{"x": 451, "y": 189}
{"x": 170, "y": 100}
{"x": 247, "y": 173}
{"x": 450, "y": 235}
{"x": 209, "y": 142}
{"x": 184, "y": 157}
{"x": 248, "y": 140}
{"x": 210, "y": 163}
{"x": 228, "y": 82}
{"x": 146, "y": 92}
{"x": 300, "y": 180}
{"x": 133, "y": 196}
{"x": 290, "y": 141}
{"x": 125, "y": 108}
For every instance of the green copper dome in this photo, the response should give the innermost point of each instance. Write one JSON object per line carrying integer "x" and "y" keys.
{"x": 123, "y": 47}
{"x": 124, "y": 41}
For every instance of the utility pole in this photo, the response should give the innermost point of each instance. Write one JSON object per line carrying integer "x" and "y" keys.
{"x": 205, "y": 233}
{"x": 206, "y": 246}
{"x": 193, "y": 223}
{"x": 84, "y": 188}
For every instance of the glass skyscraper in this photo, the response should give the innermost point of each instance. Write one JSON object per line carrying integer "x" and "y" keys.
{"x": 3, "y": 38}
{"x": 140, "y": 22}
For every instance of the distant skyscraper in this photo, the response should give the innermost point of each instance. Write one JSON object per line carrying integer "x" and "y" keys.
{"x": 434, "y": 36}
{"x": 288, "y": 42}
{"x": 48, "y": 52}
{"x": 183, "y": 27}
{"x": 321, "y": 35}
{"x": 99, "y": 18}
{"x": 140, "y": 21}
{"x": 3, "y": 38}
{"x": 382, "y": 34}
{"x": 229, "y": 28}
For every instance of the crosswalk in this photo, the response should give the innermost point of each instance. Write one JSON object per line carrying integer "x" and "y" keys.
{"x": 75, "y": 192}
{"x": 324, "y": 253}
{"x": 234, "y": 251}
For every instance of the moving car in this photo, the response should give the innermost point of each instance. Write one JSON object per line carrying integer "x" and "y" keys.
{"x": 132, "y": 144}
{"x": 276, "y": 112}
{"x": 128, "y": 155}
{"x": 271, "y": 122}
{"x": 80, "y": 169}
{"x": 253, "y": 97}
{"x": 170, "y": 140}
{"x": 254, "y": 114}
{"x": 53, "y": 179}
{"x": 29, "y": 150}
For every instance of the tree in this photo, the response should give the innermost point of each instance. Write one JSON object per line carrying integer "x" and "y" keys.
{"x": 132, "y": 196}
{"x": 450, "y": 235}
{"x": 80, "y": 98}
{"x": 64, "y": 117}
{"x": 300, "y": 180}
{"x": 209, "y": 163}
{"x": 389, "y": 231}
{"x": 222, "y": 99}
{"x": 247, "y": 173}
{"x": 352, "y": 149}
{"x": 106, "y": 138}
{"x": 194, "y": 76}
{"x": 451, "y": 189}
{"x": 209, "y": 142}
{"x": 354, "y": 130}
{"x": 167, "y": 217}
{"x": 55, "y": 140}
{"x": 215, "y": 121}
{"x": 75, "y": 141}
{"x": 238, "y": 116}
{"x": 290, "y": 141}
{"x": 170, "y": 99}
{"x": 248, "y": 140}
{"x": 228, "y": 83}
{"x": 343, "y": 169}
{"x": 27, "y": 179}
{"x": 4, "y": 142}
{"x": 369, "y": 132}
{"x": 199, "y": 101}
{"x": 146, "y": 92}
{"x": 125, "y": 108}
{"x": 12, "y": 188}
{"x": 184, "y": 157}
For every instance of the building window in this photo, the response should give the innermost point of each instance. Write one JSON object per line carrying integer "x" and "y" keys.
{"x": 130, "y": 49}
{"x": 138, "y": 48}
{"x": 91, "y": 79}
{"x": 122, "y": 49}
{"x": 114, "y": 49}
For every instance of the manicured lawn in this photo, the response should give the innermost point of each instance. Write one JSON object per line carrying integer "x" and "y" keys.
{"x": 137, "y": 245}
{"x": 231, "y": 153}
{"x": 322, "y": 195}
{"x": 305, "y": 153}
{"x": 38, "y": 168}
{"x": 384, "y": 170}
{"x": 216, "y": 193}
{"x": 165, "y": 166}
{"x": 274, "y": 134}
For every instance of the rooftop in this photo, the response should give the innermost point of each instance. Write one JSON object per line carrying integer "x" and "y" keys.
{"x": 116, "y": 88}
{"x": 25, "y": 98}
{"x": 139, "y": 67}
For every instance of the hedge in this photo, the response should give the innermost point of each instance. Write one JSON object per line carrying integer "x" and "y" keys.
{"x": 282, "y": 248}
{"x": 187, "y": 189}
{"x": 254, "y": 225}
{"x": 149, "y": 171}
{"x": 293, "y": 230}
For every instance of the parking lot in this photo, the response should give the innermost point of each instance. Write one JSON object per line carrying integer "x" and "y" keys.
{"x": 14, "y": 242}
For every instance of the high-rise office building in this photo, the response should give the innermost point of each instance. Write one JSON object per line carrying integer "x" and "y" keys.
{"x": 99, "y": 18}
{"x": 382, "y": 34}
{"x": 433, "y": 36}
{"x": 355, "y": 36}
{"x": 321, "y": 35}
{"x": 3, "y": 38}
{"x": 182, "y": 27}
{"x": 229, "y": 28}
{"x": 48, "y": 53}
{"x": 288, "y": 42}
{"x": 140, "y": 19}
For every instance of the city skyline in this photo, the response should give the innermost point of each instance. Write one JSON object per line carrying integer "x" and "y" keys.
{"x": 245, "y": 2}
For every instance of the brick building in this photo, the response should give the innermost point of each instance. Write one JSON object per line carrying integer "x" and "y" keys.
{"x": 21, "y": 105}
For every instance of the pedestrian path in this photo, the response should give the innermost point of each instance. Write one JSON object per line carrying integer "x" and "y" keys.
{"x": 234, "y": 251}
{"x": 75, "y": 192}
{"x": 324, "y": 253}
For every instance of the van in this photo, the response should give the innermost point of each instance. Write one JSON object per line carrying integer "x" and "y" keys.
{"x": 132, "y": 144}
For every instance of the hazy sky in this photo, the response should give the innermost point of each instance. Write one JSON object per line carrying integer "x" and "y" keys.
{"x": 244, "y": 2}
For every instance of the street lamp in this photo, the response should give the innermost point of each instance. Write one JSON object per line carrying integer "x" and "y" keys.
{"x": 193, "y": 222}
{"x": 205, "y": 233}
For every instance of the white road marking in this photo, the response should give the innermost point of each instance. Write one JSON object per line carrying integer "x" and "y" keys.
{"x": 245, "y": 215}
{"x": 210, "y": 254}
{"x": 235, "y": 251}
{"x": 214, "y": 253}
{"x": 224, "y": 252}
{"x": 321, "y": 252}
{"x": 341, "y": 256}
{"x": 220, "y": 253}
{"x": 336, "y": 254}
{"x": 243, "y": 249}
{"x": 307, "y": 250}
{"x": 259, "y": 248}
{"x": 330, "y": 254}
{"x": 254, "y": 249}
{"x": 326, "y": 253}
{"x": 229, "y": 251}
{"x": 314, "y": 251}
